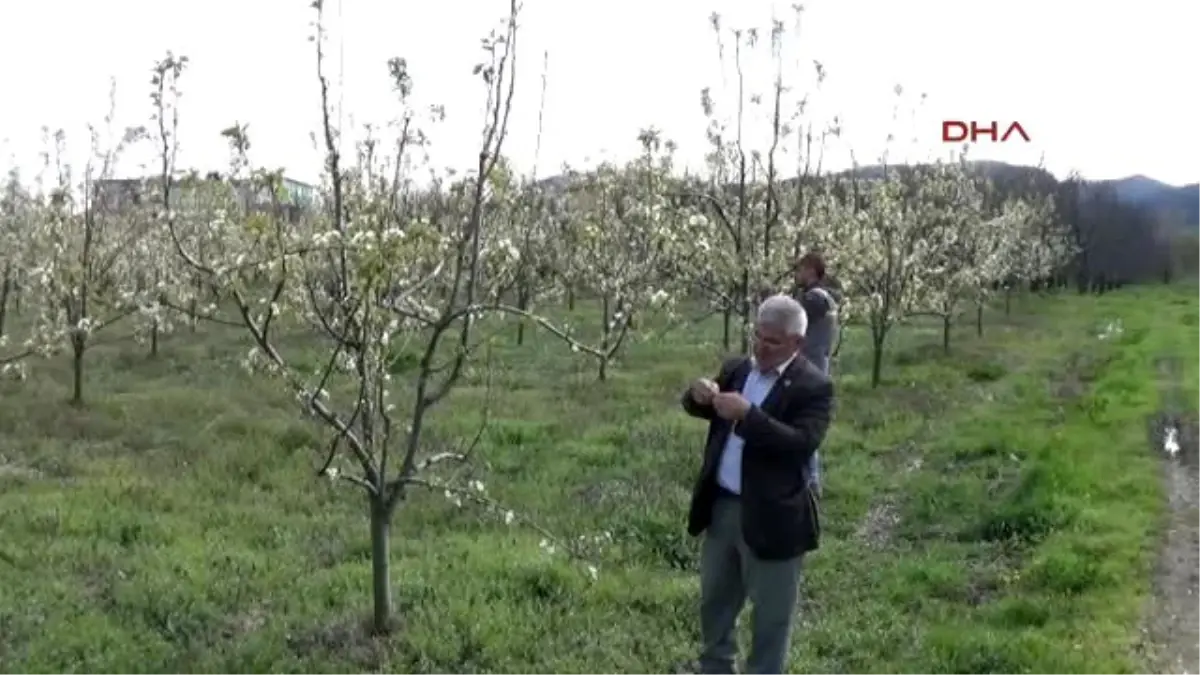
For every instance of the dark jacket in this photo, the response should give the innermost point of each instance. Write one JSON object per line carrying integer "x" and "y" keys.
{"x": 779, "y": 515}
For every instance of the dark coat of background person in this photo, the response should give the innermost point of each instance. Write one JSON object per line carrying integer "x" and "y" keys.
{"x": 779, "y": 514}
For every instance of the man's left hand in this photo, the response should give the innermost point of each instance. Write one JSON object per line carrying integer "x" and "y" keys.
{"x": 731, "y": 406}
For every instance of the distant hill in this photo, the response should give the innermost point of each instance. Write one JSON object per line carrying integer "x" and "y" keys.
{"x": 1176, "y": 205}
{"x": 1170, "y": 204}
{"x": 997, "y": 171}
{"x": 1133, "y": 229}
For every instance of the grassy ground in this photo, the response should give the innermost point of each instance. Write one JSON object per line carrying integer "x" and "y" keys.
{"x": 995, "y": 510}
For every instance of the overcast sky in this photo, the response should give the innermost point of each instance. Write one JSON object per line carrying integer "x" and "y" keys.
{"x": 1100, "y": 87}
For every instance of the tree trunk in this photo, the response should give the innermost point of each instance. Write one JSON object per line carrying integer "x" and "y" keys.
{"x": 746, "y": 309}
{"x": 979, "y": 320}
{"x": 78, "y": 346}
{"x": 154, "y": 340}
{"x": 5, "y": 288}
{"x": 728, "y": 316}
{"x": 946, "y": 333}
{"x": 605, "y": 336}
{"x": 381, "y": 565}
{"x": 523, "y": 304}
{"x": 877, "y": 359}
{"x": 570, "y": 298}
{"x": 1007, "y": 300}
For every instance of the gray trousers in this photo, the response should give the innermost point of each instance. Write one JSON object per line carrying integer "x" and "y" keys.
{"x": 729, "y": 575}
{"x": 814, "y": 464}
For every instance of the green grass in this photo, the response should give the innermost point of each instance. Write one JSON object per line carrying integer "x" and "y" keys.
{"x": 994, "y": 510}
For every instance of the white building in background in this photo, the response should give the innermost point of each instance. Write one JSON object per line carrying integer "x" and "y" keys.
{"x": 295, "y": 197}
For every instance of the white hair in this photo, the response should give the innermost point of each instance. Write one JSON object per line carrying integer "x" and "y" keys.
{"x": 782, "y": 311}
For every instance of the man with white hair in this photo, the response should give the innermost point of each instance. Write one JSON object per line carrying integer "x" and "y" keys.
{"x": 767, "y": 415}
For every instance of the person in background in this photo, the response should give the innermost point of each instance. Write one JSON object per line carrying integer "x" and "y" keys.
{"x": 767, "y": 415}
{"x": 822, "y": 310}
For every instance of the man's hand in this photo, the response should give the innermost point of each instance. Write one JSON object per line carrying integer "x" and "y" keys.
{"x": 703, "y": 391}
{"x": 731, "y": 406}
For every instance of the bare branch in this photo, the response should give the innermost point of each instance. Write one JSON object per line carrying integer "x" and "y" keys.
{"x": 440, "y": 458}
{"x": 489, "y": 503}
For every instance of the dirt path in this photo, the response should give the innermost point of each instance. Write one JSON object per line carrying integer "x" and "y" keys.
{"x": 1174, "y": 619}
{"x": 876, "y": 527}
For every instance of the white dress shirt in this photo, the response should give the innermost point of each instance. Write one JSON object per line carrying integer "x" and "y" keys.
{"x": 758, "y": 385}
